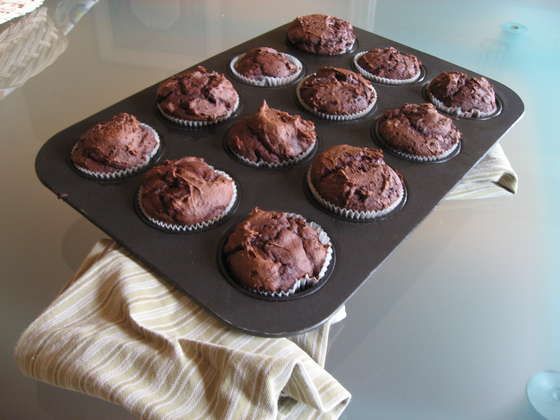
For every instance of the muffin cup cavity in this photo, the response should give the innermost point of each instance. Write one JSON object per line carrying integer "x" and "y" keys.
{"x": 355, "y": 215}
{"x": 306, "y": 283}
{"x": 383, "y": 80}
{"x": 335, "y": 117}
{"x": 457, "y": 111}
{"x": 107, "y": 176}
{"x": 443, "y": 157}
{"x": 175, "y": 227}
{"x": 195, "y": 123}
{"x": 267, "y": 81}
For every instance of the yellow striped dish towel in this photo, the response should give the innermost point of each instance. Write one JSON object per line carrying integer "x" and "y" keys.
{"x": 118, "y": 333}
{"x": 492, "y": 177}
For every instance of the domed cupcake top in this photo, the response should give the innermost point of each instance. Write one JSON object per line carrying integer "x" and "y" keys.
{"x": 470, "y": 96}
{"x": 271, "y": 250}
{"x": 186, "y": 191}
{"x": 337, "y": 91}
{"x": 264, "y": 61}
{"x": 114, "y": 145}
{"x": 390, "y": 63}
{"x": 198, "y": 95}
{"x": 271, "y": 135}
{"x": 321, "y": 34}
{"x": 419, "y": 130}
{"x": 356, "y": 178}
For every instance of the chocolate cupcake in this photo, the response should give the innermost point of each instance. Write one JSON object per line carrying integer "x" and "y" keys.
{"x": 388, "y": 65}
{"x": 197, "y": 97}
{"x": 418, "y": 132}
{"x": 336, "y": 94}
{"x": 271, "y": 138}
{"x": 321, "y": 34}
{"x": 115, "y": 148}
{"x": 456, "y": 93}
{"x": 355, "y": 182}
{"x": 186, "y": 194}
{"x": 274, "y": 253}
{"x": 266, "y": 67}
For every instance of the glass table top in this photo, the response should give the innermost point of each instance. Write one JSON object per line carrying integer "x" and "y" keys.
{"x": 455, "y": 322}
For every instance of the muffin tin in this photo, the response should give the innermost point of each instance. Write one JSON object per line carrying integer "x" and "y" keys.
{"x": 193, "y": 262}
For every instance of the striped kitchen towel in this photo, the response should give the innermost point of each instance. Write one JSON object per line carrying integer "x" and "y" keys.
{"x": 118, "y": 333}
{"x": 492, "y": 177}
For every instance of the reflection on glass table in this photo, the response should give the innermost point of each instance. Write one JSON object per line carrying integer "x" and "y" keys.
{"x": 31, "y": 44}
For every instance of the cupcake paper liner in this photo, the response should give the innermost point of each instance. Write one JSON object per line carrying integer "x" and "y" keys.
{"x": 175, "y": 227}
{"x": 272, "y": 165}
{"x": 413, "y": 157}
{"x": 307, "y": 280}
{"x": 298, "y": 285}
{"x": 122, "y": 172}
{"x": 267, "y": 81}
{"x": 349, "y": 213}
{"x": 335, "y": 117}
{"x": 456, "y": 110}
{"x": 351, "y": 47}
{"x": 379, "y": 79}
{"x": 195, "y": 123}
{"x": 418, "y": 158}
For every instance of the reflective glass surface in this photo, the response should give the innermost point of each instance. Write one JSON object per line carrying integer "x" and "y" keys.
{"x": 455, "y": 322}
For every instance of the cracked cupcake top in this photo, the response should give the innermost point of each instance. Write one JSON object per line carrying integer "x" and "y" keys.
{"x": 271, "y": 135}
{"x": 197, "y": 95}
{"x": 117, "y": 144}
{"x": 390, "y": 63}
{"x": 337, "y": 91}
{"x": 418, "y": 129}
{"x": 263, "y": 61}
{"x": 321, "y": 34}
{"x": 356, "y": 178}
{"x": 457, "y": 90}
{"x": 271, "y": 250}
{"x": 185, "y": 191}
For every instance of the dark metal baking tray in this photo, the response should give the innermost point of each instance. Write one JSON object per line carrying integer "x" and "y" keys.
{"x": 191, "y": 260}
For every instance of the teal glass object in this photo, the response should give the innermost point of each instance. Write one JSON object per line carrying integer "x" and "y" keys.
{"x": 543, "y": 392}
